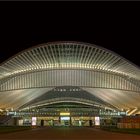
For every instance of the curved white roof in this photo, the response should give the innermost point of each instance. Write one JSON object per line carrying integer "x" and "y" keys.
{"x": 101, "y": 72}
{"x": 65, "y": 55}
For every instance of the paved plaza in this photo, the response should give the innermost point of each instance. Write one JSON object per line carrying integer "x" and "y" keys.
{"x": 67, "y": 134}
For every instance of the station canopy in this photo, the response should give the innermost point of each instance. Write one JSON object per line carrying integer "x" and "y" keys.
{"x": 96, "y": 75}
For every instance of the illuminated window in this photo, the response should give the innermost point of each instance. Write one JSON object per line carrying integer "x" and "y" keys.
{"x": 64, "y": 113}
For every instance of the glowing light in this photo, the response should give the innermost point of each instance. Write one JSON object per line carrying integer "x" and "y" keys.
{"x": 97, "y": 121}
{"x": 64, "y": 114}
{"x": 33, "y": 120}
{"x": 65, "y": 118}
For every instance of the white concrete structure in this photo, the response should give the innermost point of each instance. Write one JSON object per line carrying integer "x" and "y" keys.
{"x": 103, "y": 73}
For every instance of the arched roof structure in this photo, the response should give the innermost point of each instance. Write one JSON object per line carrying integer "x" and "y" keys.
{"x": 101, "y": 72}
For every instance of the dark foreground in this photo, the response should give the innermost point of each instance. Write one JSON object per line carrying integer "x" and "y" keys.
{"x": 66, "y": 133}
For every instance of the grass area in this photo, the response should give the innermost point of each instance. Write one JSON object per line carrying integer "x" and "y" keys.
{"x": 123, "y": 130}
{"x": 9, "y": 129}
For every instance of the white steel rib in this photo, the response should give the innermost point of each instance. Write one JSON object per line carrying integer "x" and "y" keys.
{"x": 97, "y": 70}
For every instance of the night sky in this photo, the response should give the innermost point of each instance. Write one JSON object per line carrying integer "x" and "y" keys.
{"x": 112, "y": 25}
